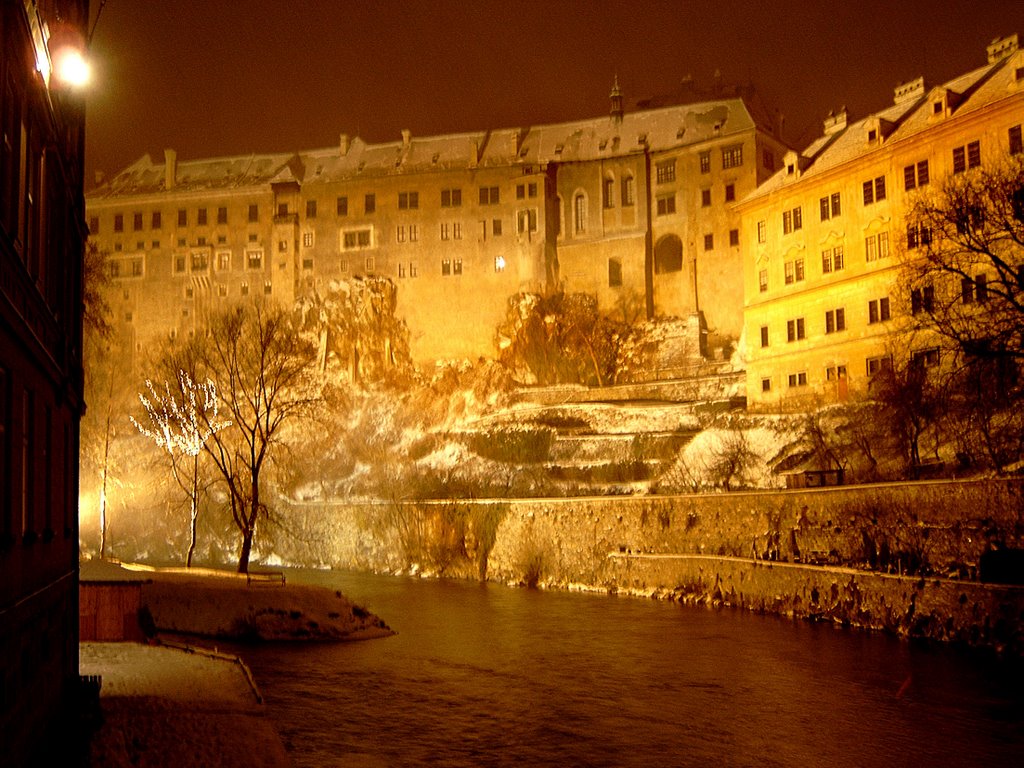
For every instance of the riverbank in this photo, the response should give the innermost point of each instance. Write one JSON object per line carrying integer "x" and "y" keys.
{"x": 171, "y": 707}
{"x": 223, "y": 605}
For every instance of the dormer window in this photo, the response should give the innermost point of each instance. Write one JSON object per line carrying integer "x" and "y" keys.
{"x": 937, "y": 108}
{"x": 872, "y": 135}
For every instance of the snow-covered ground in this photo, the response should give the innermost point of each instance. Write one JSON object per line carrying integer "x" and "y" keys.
{"x": 168, "y": 708}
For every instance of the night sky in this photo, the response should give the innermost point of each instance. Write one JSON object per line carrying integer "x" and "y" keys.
{"x": 240, "y": 76}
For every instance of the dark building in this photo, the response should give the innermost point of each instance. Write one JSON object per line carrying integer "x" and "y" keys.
{"x": 41, "y": 248}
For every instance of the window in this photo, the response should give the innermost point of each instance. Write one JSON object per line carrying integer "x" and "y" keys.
{"x": 730, "y": 192}
{"x": 835, "y": 373}
{"x": 665, "y": 171}
{"x": 489, "y": 196}
{"x": 764, "y": 335}
{"x": 496, "y": 227}
{"x": 876, "y": 246}
{"x": 456, "y": 230}
{"x": 254, "y": 214}
{"x": 918, "y": 235}
{"x": 705, "y": 162}
{"x": 795, "y": 329}
{"x": 762, "y": 231}
{"x": 342, "y": 205}
{"x": 925, "y": 358}
{"x": 666, "y": 205}
{"x": 798, "y": 379}
{"x": 137, "y": 222}
{"x": 200, "y": 261}
{"x": 267, "y": 288}
{"x": 369, "y": 202}
{"x": 794, "y": 271}
{"x": 792, "y": 220}
{"x": 179, "y": 263}
{"x": 768, "y": 159}
{"x": 222, "y": 213}
{"x": 446, "y": 267}
{"x": 878, "y": 310}
{"x": 446, "y": 230}
{"x": 876, "y": 365}
{"x": 414, "y": 233}
{"x": 282, "y": 209}
{"x": 974, "y": 290}
{"x": 832, "y": 259}
{"x": 614, "y": 273}
{"x": 835, "y": 320}
{"x": 451, "y": 198}
{"x": 732, "y": 157}
{"x": 829, "y": 206}
{"x": 282, "y": 246}
{"x": 580, "y": 213}
{"x": 766, "y": 385}
{"x": 201, "y": 217}
{"x": 705, "y": 198}
{"x": 94, "y": 224}
{"x": 401, "y": 269}
{"x": 370, "y": 264}
{"x": 311, "y": 209}
{"x": 608, "y": 193}
{"x": 119, "y": 222}
{"x": 400, "y": 233}
{"x": 1016, "y": 141}
{"x": 408, "y": 201}
{"x": 922, "y": 300}
{"x": 456, "y": 266}
{"x": 355, "y": 238}
{"x": 915, "y": 175}
{"x": 526, "y": 221}
{"x": 874, "y": 190}
{"x": 628, "y": 191}
{"x": 223, "y": 260}
{"x": 734, "y": 237}
{"x": 762, "y": 280}
{"x": 966, "y": 157}
{"x": 709, "y": 242}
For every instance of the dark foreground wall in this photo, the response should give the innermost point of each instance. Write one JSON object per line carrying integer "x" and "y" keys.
{"x": 901, "y": 557}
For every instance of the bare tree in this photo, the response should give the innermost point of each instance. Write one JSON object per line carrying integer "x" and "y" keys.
{"x": 181, "y": 429}
{"x": 266, "y": 367}
{"x": 965, "y": 258}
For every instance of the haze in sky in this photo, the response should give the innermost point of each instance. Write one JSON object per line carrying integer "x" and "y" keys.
{"x": 241, "y": 76}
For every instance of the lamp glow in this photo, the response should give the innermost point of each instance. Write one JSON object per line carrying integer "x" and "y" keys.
{"x": 72, "y": 68}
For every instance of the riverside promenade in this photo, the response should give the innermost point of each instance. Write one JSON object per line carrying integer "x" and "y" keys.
{"x": 173, "y": 706}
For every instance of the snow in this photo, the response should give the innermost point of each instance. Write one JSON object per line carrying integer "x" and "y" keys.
{"x": 166, "y": 706}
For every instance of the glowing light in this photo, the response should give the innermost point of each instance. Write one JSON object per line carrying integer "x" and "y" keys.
{"x": 499, "y": 263}
{"x": 72, "y": 68}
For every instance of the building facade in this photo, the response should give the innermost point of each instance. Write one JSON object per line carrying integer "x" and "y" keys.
{"x": 42, "y": 230}
{"x": 634, "y": 208}
{"x": 824, "y": 237}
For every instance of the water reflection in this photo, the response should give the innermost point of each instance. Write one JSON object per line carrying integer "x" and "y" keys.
{"x": 486, "y": 675}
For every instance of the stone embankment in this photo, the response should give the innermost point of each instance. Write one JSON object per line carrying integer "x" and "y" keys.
{"x": 905, "y": 558}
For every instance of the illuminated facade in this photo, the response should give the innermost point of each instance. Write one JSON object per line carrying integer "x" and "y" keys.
{"x": 633, "y": 208}
{"x": 42, "y": 228}
{"x": 825, "y": 309}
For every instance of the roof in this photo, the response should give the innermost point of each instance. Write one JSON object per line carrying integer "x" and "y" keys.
{"x": 909, "y": 116}
{"x": 659, "y": 129}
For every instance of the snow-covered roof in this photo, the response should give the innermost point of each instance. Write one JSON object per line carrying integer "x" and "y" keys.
{"x": 910, "y": 115}
{"x": 658, "y": 129}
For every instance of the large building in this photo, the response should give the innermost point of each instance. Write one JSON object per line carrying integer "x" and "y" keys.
{"x": 42, "y": 230}
{"x": 825, "y": 306}
{"x": 634, "y": 208}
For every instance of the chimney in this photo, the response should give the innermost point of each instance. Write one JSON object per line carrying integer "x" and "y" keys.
{"x": 834, "y": 123}
{"x": 344, "y": 144}
{"x": 1001, "y": 48}
{"x": 98, "y": 177}
{"x": 406, "y": 137}
{"x": 908, "y": 91}
{"x": 170, "y": 168}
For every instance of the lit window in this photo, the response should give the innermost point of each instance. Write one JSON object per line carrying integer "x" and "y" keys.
{"x": 732, "y": 157}
{"x": 705, "y": 162}
{"x": 762, "y": 231}
{"x": 665, "y": 171}
{"x": 628, "y": 191}
{"x": 580, "y": 213}
{"x": 666, "y": 205}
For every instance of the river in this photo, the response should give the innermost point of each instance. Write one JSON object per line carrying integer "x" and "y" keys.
{"x": 486, "y": 675}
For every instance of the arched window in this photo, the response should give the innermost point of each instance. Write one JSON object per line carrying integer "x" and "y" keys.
{"x": 608, "y": 196}
{"x": 668, "y": 255}
{"x": 579, "y": 208}
{"x": 628, "y": 190}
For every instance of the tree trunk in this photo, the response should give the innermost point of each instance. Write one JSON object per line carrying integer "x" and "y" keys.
{"x": 194, "y": 511}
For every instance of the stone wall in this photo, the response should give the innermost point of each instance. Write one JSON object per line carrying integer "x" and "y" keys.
{"x": 902, "y": 557}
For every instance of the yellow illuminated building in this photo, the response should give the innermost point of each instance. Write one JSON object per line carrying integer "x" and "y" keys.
{"x": 634, "y": 208}
{"x": 824, "y": 306}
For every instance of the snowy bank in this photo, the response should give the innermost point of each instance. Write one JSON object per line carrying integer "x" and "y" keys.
{"x": 170, "y": 707}
{"x": 225, "y": 605}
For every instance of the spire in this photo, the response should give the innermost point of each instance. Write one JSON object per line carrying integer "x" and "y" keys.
{"x": 616, "y": 97}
